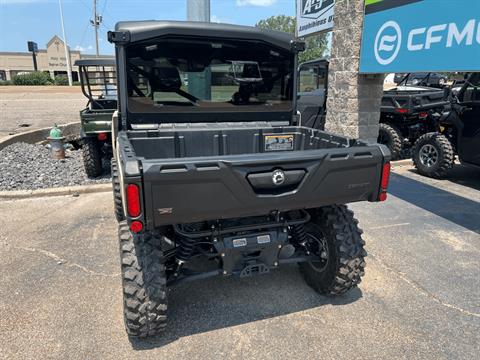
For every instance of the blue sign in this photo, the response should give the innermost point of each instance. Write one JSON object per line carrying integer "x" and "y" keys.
{"x": 420, "y": 36}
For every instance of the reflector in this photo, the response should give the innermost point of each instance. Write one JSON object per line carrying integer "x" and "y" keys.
{"x": 136, "y": 226}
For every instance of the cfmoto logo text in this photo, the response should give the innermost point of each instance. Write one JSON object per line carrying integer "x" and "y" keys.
{"x": 388, "y": 43}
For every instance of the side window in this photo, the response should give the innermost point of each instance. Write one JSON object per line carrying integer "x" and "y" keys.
{"x": 472, "y": 90}
{"x": 308, "y": 78}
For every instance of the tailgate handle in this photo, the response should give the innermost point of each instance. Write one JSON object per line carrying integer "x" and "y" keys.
{"x": 276, "y": 181}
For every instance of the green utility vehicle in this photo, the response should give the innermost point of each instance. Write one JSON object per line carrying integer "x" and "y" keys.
{"x": 216, "y": 176}
{"x": 98, "y": 80}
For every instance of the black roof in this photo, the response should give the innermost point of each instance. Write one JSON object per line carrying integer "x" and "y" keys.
{"x": 315, "y": 61}
{"x": 96, "y": 62}
{"x": 142, "y": 30}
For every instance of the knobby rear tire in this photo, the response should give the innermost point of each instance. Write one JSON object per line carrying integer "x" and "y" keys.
{"x": 144, "y": 283}
{"x": 92, "y": 157}
{"x": 346, "y": 253}
{"x": 117, "y": 192}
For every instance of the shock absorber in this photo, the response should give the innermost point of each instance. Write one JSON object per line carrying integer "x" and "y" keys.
{"x": 299, "y": 234}
{"x": 185, "y": 247}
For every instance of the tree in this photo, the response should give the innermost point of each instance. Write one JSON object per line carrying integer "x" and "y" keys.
{"x": 316, "y": 46}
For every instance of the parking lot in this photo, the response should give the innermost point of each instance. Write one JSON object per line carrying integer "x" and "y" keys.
{"x": 420, "y": 298}
{"x": 25, "y": 108}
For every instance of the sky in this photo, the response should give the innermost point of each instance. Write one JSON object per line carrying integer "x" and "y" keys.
{"x": 39, "y": 20}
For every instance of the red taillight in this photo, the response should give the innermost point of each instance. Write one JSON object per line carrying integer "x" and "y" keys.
{"x": 401, "y": 111}
{"x": 385, "y": 176}
{"x": 382, "y": 196}
{"x": 102, "y": 136}
{"x": 133, "y": 200}
{"x": 136, "y": 226}
{"x": 384, "y": 182}
{"x": 423, "y": 115}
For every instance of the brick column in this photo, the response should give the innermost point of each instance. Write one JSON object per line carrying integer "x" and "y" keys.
{"x": 353, "y": 104}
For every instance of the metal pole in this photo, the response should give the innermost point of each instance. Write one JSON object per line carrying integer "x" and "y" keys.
{"x": 199, "y": 84}
{"x": 67, "y": 52}
{"x": 95, "y": 24}
{"x": 198, "y": 10}
{"x": 35, "y": 66}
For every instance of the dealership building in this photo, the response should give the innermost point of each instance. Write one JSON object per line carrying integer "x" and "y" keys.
{"x": 51, "y": 60}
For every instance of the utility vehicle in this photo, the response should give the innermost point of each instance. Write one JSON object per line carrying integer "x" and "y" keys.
{"x": 457, "y": 132}
{"x": 407, "y": 112}
{"x": 98, "y": 82}
{"x": 219, "y": 177}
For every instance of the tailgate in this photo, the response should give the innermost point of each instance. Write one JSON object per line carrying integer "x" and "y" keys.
{"x": 197, "y": 189}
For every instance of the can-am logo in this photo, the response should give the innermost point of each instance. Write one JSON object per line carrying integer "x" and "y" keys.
{"x": 313, "y": 8}
{"x": 388, "y": 41}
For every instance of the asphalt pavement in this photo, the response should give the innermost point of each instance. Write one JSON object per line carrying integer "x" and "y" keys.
{"x": 24, "y": 108}
{"x": 61, "y": 297}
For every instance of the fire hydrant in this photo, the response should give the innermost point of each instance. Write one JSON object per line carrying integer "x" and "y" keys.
{"x": 56, "y": 143}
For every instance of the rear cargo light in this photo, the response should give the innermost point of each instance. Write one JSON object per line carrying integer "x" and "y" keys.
{"x": 133, "y": 200}
{"x": 401, "y": 111}
{"x": 136, "y": 226}
{"x": 384, "y": 182}
{"x": 102, "y": 136}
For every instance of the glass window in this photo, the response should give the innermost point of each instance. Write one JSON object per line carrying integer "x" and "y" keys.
{"x": 202, "y": 75}
{"x": 308, "y": 78}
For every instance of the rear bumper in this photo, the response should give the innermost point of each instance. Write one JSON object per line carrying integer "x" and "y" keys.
{"x": 198, "y": 189}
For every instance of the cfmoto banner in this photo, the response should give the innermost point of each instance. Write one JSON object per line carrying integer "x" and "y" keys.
{"x": 314, "y": 16}
{"x": 420, "y": 35}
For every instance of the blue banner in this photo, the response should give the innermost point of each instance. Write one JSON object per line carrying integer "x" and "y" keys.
{"x": 420, "y": 36}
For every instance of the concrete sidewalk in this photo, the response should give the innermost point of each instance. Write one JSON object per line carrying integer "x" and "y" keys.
{"x": 61, "y": 292}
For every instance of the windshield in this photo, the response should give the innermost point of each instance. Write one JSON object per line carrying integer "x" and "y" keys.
{"x": 203, "y": 75}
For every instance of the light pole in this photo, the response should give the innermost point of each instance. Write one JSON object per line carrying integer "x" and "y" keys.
{"x": 97, "y": 19}
{"x": 199, "y": 83}
{"x": 67, "y": 53}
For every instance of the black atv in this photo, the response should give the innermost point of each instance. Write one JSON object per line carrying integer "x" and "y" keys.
{"x": 457, "y": 132}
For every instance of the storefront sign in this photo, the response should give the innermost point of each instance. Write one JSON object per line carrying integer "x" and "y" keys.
{"x": 420, "y": 35}
{"x": 314, "y": 16}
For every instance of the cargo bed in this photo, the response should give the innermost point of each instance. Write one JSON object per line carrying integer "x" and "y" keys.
{"x": 199, "y": 173}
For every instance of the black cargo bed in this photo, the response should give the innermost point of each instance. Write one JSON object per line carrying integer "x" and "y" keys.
{"x": 213, "y": 173}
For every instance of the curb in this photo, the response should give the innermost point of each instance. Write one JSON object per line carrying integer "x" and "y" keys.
{"x": 35, "y": 136}
{"x": 60, "y": 191}
{"x": 405, "y": 162}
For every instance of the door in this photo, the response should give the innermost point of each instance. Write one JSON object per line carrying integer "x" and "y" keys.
{"x": 312, "y": 94}
{"x": 469, "y": 142}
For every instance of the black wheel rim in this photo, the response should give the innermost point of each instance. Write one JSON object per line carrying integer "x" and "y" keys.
{"x": 428, "y": 155}
{"x": 318, "y": 246}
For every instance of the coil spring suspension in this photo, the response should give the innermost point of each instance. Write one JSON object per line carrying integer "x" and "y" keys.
{"x": 185, "y": 248}
{"x": 299, "y": 234}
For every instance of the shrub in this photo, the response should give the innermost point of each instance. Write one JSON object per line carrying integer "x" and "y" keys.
{"x": 5, "y": 82}
{"x": 61, "y": 80}
{"x": 33, "y": 78}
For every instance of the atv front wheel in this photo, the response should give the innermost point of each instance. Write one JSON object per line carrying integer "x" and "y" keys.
{"x": 144, "y": 283}
{"x": 117, "y": 195}
{"x": 433, "y": 155}
{"x": 334, "y": 237}
{"x": 391, "y": 137}
{"x": 92, "y": 157}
